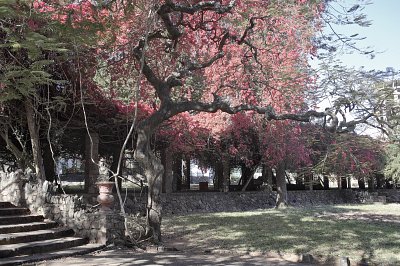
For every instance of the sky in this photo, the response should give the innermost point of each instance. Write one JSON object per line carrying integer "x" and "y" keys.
{"x": 383, "y": 35}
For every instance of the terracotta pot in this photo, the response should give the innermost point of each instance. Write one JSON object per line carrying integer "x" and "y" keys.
{"x": 105, "y": 197}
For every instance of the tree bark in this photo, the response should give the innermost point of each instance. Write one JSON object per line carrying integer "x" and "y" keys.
{"x": 177, "y": 173}
{"x": 49, "y": 166}
{"x": 379, "y": 180}
{"x": 343, "y": 181}
{"x": 168, "y": 173}
{"x": 153, "y": 170}
{"x": 361, "y": 183}
{"x": 91, "y": 168}
{"x": 219, "y": 176}
{"x": 281, "y": 189}
{"x": 35, "y": 141}
{"x": 226, "y": 171}
{"x": 186, "y": 171}
{"x": 326, "y": 182}
{"x": 267, "y": 178}
{"x": 248, "y": 175}
{"x": 21, "y": 156}
{"x": 371, "y": 182}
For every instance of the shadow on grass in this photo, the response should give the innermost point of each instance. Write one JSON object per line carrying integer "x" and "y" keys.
{"x": 320, "y": 231}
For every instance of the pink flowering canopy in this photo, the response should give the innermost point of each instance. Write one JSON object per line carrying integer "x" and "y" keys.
{"x": 239, "y": 52}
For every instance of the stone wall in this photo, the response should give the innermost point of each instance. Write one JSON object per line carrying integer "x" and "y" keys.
{"x": 82, "y": 213}
{"x": 392, "y": 195}
{"x": 76, "y": 212}
{"x": 195, "y": 202}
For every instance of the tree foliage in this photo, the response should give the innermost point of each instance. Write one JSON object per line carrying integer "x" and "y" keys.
{"x": 178, "y": 70}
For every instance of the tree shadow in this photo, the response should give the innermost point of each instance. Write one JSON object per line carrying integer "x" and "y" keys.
{"x": 319, "y": 231}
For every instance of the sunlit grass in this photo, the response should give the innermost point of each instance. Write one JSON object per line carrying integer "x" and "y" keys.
{"x": 344, "y": 230}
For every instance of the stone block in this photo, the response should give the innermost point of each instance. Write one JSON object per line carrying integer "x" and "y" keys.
{"x": 338, "y": 261}
{"x": 306, "y": 258}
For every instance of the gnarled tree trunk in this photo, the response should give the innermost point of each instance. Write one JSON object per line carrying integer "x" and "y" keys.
{"x": 153, "y": 170}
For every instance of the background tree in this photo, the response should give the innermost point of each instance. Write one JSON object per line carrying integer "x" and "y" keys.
{"x": 29, "y": 47}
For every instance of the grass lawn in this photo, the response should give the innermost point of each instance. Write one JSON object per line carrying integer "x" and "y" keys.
{"x": 357, "y": 231}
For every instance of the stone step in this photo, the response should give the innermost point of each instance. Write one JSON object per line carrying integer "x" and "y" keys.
{"x": 13, "y": 238}
{"x": 42, "y": 246}
{"x": 13, "y": 211}
{"x": 14, "y": 228}
{"x": 73, "y": 251}
{"x": 20, "y": 219}
{"x": 6, "y": 204}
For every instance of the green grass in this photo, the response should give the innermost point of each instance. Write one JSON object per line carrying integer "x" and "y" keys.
{"x": 371, "y": 232}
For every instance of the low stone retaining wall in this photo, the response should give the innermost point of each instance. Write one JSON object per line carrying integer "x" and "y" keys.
{"x": 69, "y": 210}
{"x": 197, "y": 202}
{"x": 82, "y": 214}
{"x": 392, "y": 195}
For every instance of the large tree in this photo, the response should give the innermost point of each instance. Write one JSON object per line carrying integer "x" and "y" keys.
{"x": 171, "y": 57}
{"x": 212, "y": 56}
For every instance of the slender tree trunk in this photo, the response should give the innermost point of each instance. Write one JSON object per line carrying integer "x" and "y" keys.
{"x": 91, "y": 168}
{"x": 300, "y": 182}
{"x": 281, "y": 196}
{"x": 168, "y": 173}
{"x": 326, "y": 182}
{"x": 219, "y": 176}
{"x": 163, "y": 155}
{"x": 49, "y": 166}
{"x": 23, "y": 160}
{"x": 186, "y": 171}
{"x": 35, "y": 142}
{"x": 114, "y": 166}
{"x": 379, "y": 180}
{"x": 361, "y": 183}
{"x": 177, "y": 173}
{"x": 249, "y": 172}
{"x": 264, "y": 180}
{"x": 153, "y": 170}
{"x": 226, "y": 169}
{"x": 343, "y": 181}
{"x": 267, "y": 178}
{"x": 371, "y": 182}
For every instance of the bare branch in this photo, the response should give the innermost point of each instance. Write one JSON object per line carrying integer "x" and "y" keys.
{"x": 215, "y": 6}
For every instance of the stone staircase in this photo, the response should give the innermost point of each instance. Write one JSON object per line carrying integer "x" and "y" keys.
{"x": 27, "y": 238}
